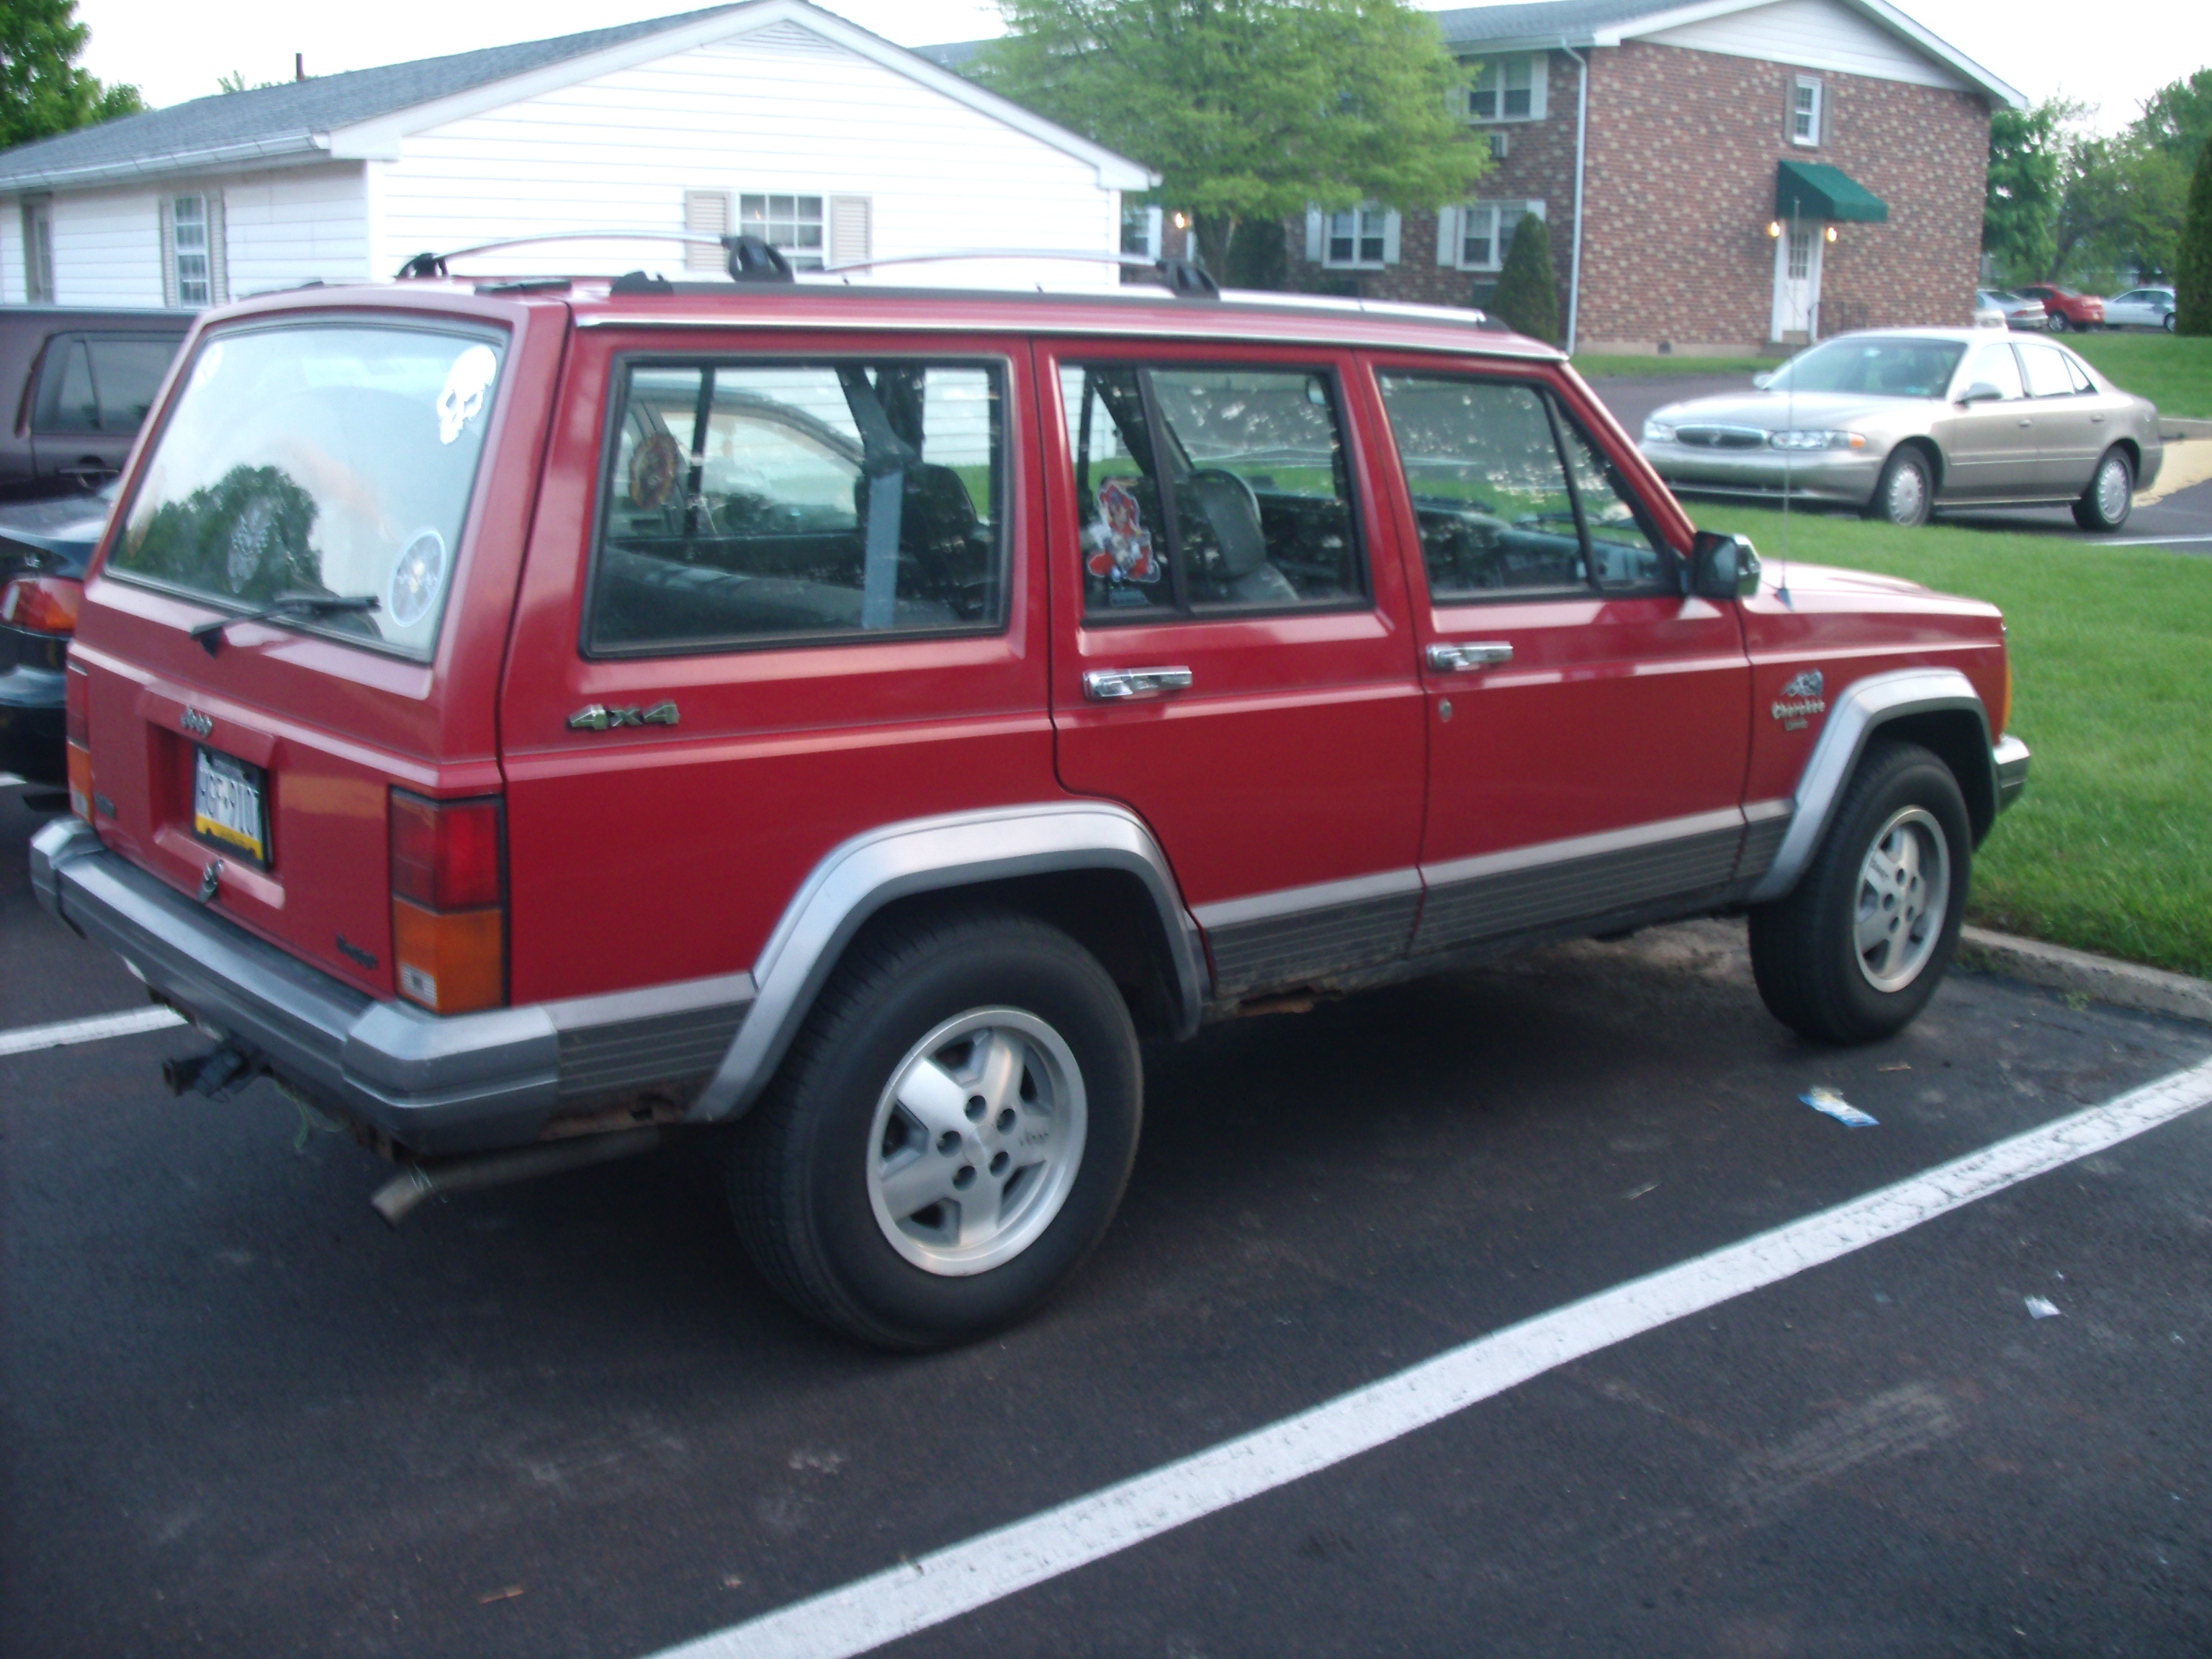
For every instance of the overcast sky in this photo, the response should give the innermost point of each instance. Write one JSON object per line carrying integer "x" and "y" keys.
{"x": 172, "y": 52}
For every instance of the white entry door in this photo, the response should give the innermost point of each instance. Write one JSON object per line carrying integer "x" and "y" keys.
{"x": 1797, "y": 281}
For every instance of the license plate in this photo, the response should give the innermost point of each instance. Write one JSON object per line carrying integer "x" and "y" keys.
{"x": 228, "y": 805}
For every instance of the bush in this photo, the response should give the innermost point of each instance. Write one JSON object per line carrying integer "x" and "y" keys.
{"x": 1527, "y": 297}
{"x": 2192, "y": 277}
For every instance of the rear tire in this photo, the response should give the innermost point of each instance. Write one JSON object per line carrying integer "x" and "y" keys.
{"x": 2058, "y": 324}
{"x": 950, "y": 1135}
{"x": 1906, "y": 493}
{"x": 1855, "y": 950}
{"x": 2111, "y": 497}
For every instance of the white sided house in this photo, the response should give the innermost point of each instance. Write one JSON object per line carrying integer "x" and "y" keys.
{"x": 772, "y": 117}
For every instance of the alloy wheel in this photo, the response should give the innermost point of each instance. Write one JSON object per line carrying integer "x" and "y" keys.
{"x": 1904, "y": 889}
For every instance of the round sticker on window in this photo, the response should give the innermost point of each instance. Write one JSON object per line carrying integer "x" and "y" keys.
{"x": 467, "y": 383}
{"x": 250, "y": 533}
{"x": 416, "y": 580}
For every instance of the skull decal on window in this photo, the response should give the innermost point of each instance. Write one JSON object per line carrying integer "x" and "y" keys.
{"x": 467, "y": 383}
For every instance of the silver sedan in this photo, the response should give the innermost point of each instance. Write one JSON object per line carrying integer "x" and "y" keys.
{"x": 1900, "y": 422}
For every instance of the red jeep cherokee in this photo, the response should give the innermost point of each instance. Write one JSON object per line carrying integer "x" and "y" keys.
{"x": 525, "y": 718}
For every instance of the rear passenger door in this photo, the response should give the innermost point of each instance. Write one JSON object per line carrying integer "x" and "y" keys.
{"x": 1588, "y": 725}
{"x": 92, "y": 395}
{"x": 1231, "y": 659}
{"x": 2071, "y": 423}
{"x": 775, "y": 597}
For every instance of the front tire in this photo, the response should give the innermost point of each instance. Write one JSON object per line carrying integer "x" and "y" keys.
{"x": 2057, "y": 322}
{"x": 1906, "y": 493}
{"x": 2111, "y": 497}
{"x": 1854, "y": 952}
{"x": 950, "y": 1135}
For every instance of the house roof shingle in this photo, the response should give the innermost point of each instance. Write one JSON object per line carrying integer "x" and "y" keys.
{"x": 283, "y": 119}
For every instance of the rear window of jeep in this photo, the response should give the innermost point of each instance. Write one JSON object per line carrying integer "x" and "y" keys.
{"x": 329, "y": 460}
{"x": 764, "y": 503}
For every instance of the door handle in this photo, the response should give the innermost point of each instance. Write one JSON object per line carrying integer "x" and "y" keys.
{"x": 2027, "y": 422}
{"x": 1120, "y": 685}
{"x": 1476, "y": 653}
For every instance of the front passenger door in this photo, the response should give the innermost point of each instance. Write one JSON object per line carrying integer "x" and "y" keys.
{"x": 1990, "y": 445}
{"x": 1588, "y": 725}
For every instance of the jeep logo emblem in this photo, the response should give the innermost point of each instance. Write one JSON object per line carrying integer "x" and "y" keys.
{"x": 199, "y": 725}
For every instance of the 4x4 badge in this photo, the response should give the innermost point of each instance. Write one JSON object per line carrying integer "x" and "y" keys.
{"x": 596, "y": 718}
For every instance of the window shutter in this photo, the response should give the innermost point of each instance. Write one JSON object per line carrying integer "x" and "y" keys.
{"x": 1390, "y": 227}
{"x": 705, "y": 213}
{"x": 168, "y": 252}
{"x": 1316, "y": 221}
{"x": 1448, "y": 219}
{"x": 850, "y": 228}
{"x": 1539, "y": 74}
{"x": 218, "y": 251}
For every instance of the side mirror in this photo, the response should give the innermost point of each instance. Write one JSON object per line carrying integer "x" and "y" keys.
{"x": 1981, "y": 392}
{"x": 1764, "y": 378}
{"x": 1722, "y": 567}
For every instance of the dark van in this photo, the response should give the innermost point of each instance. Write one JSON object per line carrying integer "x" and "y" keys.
{"x": 81, "y": 382}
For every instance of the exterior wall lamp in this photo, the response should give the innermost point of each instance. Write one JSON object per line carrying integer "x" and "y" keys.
{"x": 1831, "y": 233}
{"x": 1774, "y": 228}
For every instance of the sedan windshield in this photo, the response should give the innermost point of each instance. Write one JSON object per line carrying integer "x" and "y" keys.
{"x": 1891, "y": 366}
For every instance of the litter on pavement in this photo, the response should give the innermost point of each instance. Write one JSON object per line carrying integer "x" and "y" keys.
{"x": 1828, "y": 1101}
{"x": 2039, "y": 1309}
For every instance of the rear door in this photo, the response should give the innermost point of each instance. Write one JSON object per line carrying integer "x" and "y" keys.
{"x": 1588, "y": 725}
{"x": 324, "y": 453}
{"x": 780, "y": 592}
{"x": 94, "y": 390}
{"x": 2073, "y": 419}
{"x": 1233, "y": 657}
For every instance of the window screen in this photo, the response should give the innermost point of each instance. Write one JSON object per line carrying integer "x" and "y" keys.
{"x": 1258, "y": 506}
{"x": 765, "y": 503}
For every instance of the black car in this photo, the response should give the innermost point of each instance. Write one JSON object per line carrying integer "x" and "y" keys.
{"x": 78, "y": 385}
{"x": 43, "y": 549}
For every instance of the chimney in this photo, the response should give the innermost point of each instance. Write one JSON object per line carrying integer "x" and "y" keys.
{"x": 299, "y": 66}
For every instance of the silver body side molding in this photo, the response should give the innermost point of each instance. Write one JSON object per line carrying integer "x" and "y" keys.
{"x": 858, "y": 879}
{"x": 1860, "y": 710}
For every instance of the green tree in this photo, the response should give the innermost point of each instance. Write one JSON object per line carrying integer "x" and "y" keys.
{"x": 42, "y": 90}
{"x": 2176, "y": 119}
{"x": 1527, "y": 296}
{"x": 1248, "y": 109}
{"x": 2192, "y": 268}
{"x": 2123, "y": 206}
{"x": 2019, "y": 208}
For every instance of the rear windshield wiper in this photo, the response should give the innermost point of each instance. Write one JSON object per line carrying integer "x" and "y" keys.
{"x": 210, "y": 634}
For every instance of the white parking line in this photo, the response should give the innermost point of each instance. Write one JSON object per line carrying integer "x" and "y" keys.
{"x": 66, "y": 1031}
{"x": 903, "y": 1600}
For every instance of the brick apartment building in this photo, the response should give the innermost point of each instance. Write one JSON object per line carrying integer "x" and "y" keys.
{"x": 1748, "y": 172}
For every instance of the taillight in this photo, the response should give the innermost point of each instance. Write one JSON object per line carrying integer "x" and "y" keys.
{"x": 76, "y": 738}
{"x": 42, "y": 604}
{"x": 448, "y": 902}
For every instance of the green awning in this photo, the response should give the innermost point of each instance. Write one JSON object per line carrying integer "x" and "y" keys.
{"x": 1809, "y": 189}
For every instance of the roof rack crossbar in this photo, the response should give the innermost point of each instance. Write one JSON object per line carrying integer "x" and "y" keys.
{"x": 750, "y": 259}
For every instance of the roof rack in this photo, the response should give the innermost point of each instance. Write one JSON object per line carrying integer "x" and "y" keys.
{"x": 750, "y": 259}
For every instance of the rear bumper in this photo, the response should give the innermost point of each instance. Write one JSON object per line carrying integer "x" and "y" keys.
{"x": 435, "y": 1085}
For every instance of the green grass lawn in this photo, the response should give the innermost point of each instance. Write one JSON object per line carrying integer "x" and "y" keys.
{"x": 2111, "y": 847}
{"x": 1590, "y": 367}
{"x": 2174, "y": 371}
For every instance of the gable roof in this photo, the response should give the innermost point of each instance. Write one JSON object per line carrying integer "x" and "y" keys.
{"x": 1537, "y": 23}
{"x": 363, "y": 112}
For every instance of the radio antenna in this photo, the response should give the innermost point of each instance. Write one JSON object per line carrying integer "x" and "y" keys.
{"x": 1789, "y": 392}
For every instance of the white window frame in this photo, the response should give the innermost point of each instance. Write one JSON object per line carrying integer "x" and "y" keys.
{"x": 1453, "y": 224}
{"x": 768, "y": 220}
{"x": 846, "y": 223}
{"x": 208, "y": 283}
{"x": 1154, "y": 221}
{"x": 1500, "y": 74}
{"x": 1810, "y": 138}
{"x": 1322, "y": 236}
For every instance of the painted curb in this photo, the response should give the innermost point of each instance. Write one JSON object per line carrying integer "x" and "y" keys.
{"x": 2174, "y": 427}
{"x": 2102, "y": 979}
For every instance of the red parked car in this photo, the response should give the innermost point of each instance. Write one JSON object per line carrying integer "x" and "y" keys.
{"x": 2067, "y": 307}
{"x": 532, "y": 721}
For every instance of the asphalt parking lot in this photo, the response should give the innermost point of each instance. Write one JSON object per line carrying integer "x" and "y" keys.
{"x": 2179, "y": 518}
{"x": 239, "y": 1416}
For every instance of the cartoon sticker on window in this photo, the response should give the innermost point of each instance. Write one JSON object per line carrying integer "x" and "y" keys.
{"x": 1124, "y": 546}
{"x": 467, "y": 383}
{"x": 654, "y": 469}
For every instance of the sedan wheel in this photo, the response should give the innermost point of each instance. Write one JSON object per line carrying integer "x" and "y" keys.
{"x": 2058, "y": 322}
{"x": 2104, "y": 505}
{"x": 2169, "y": 322}
{"x": 1904, "y": 494}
